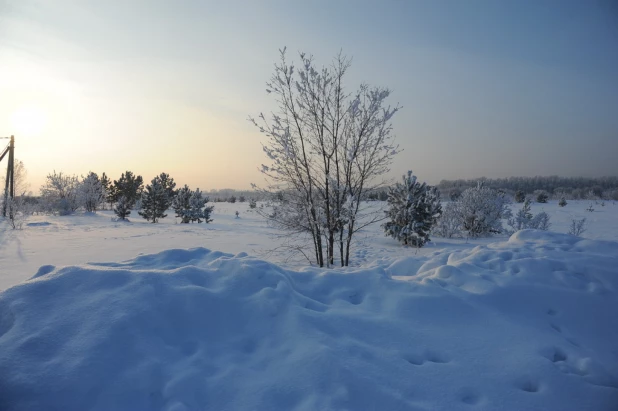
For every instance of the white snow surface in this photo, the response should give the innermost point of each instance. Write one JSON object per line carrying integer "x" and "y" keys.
{"x": 522, "y": 323}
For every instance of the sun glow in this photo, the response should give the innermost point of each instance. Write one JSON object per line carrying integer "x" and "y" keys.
{"x": 29, "y": 121}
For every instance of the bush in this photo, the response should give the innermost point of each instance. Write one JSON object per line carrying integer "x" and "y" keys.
{"x": 91, "y": 192}
{"x": 480, "y": 211}
{"x": 562, "y": 202}
{"x": 520, "y": 196}
{"x": 455, "y": 194}
{"x": 449, "y": 224}
{"x": 577, "y": 227}
{"x": 541, "y": 196}
{"x": 18, "y": 210}
{"x": 59, "y": 194}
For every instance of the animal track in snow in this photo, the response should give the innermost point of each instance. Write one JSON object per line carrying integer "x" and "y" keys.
{"x": 470, "y": 396}
{"x": 356, "y": 298}
{"x": 555, "y": 354}
{"x": 528, "y": 384}
{"x": 430, "y": 356}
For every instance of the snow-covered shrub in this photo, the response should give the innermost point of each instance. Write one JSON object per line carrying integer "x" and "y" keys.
{"x": 520, "y": 196}
{"x": 413, "y": 210}
{"x": 590, "y": 208}
{"x": 481, "y": 210}
{"x": 123, "y": 208}
{"x": 612, "y": 195}
{"x": 155, "y": 201}
{"x": 541, "y": 196}
{"x": 522, "y": 219}
{"x": 454, "y": 194}
{"x": 18, "y": 210}
{"x": 232, "y": 199}
{"x": 540, "y": 221}
{"x": 449, "y": 223}
{"x": 562, "y": 202}
{"x": 59, "y": 194}
{"x": 91, "y": 193}
{"x": 577, "y": 227}
{"x": 252, "y": 203}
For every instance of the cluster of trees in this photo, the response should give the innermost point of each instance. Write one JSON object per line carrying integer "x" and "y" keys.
{"x": 557, "y": 187}
{"x": 415, "y": 211}
{"x": 328, "y": 149}
{"x": 64, "y": 194}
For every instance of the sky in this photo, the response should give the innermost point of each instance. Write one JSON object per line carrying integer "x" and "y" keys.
{"x": 488, "y": 88}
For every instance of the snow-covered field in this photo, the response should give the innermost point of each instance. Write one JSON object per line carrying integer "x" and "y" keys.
{"x": 139, "y": 316}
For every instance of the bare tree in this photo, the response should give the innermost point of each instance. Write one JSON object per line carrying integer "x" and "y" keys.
{"x": 22, "y": 187}
{"x": 327, "y": 148}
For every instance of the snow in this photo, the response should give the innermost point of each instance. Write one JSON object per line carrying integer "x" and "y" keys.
{"x": 526, "y": 322}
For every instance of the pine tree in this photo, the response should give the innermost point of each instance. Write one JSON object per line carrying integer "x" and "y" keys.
{"x": 522, "y": 219}
{"x": 182, "y": 204}
{"x": 199, "y": 211}
{"x": 123, "y": 208}
{"x": 155, "y": 201}
{"x": 169, "y": 185}
{"x": 413, "y": 210}
{"x": 106, "y": 184}
{"x": 129, "y": 186}
{"x": 190, "y": 206}
{"x": 562, "y": 202}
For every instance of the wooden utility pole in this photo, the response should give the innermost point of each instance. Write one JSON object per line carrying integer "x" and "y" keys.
{"x": 9, "y": 183}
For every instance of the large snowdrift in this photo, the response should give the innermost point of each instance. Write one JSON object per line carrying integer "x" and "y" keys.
{"x": 526, "y": 324}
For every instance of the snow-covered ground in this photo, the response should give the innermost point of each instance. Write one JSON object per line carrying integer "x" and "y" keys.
{"x": 204, "y": 317}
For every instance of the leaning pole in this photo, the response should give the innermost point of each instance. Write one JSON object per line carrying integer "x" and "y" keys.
{"x": 9, "y": 183}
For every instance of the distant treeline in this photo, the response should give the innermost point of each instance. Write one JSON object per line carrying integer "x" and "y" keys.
{"x": 231, "y": 195}
{"x": 570, "y": 187}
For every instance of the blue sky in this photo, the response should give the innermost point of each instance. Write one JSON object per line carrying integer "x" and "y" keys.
{"x": 488, "y": 88}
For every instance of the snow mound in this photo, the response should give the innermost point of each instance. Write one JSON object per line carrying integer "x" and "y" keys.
{"x": 526, "y": 324}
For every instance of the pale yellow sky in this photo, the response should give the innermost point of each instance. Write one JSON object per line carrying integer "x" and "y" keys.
{"x": 60, "y": 124}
